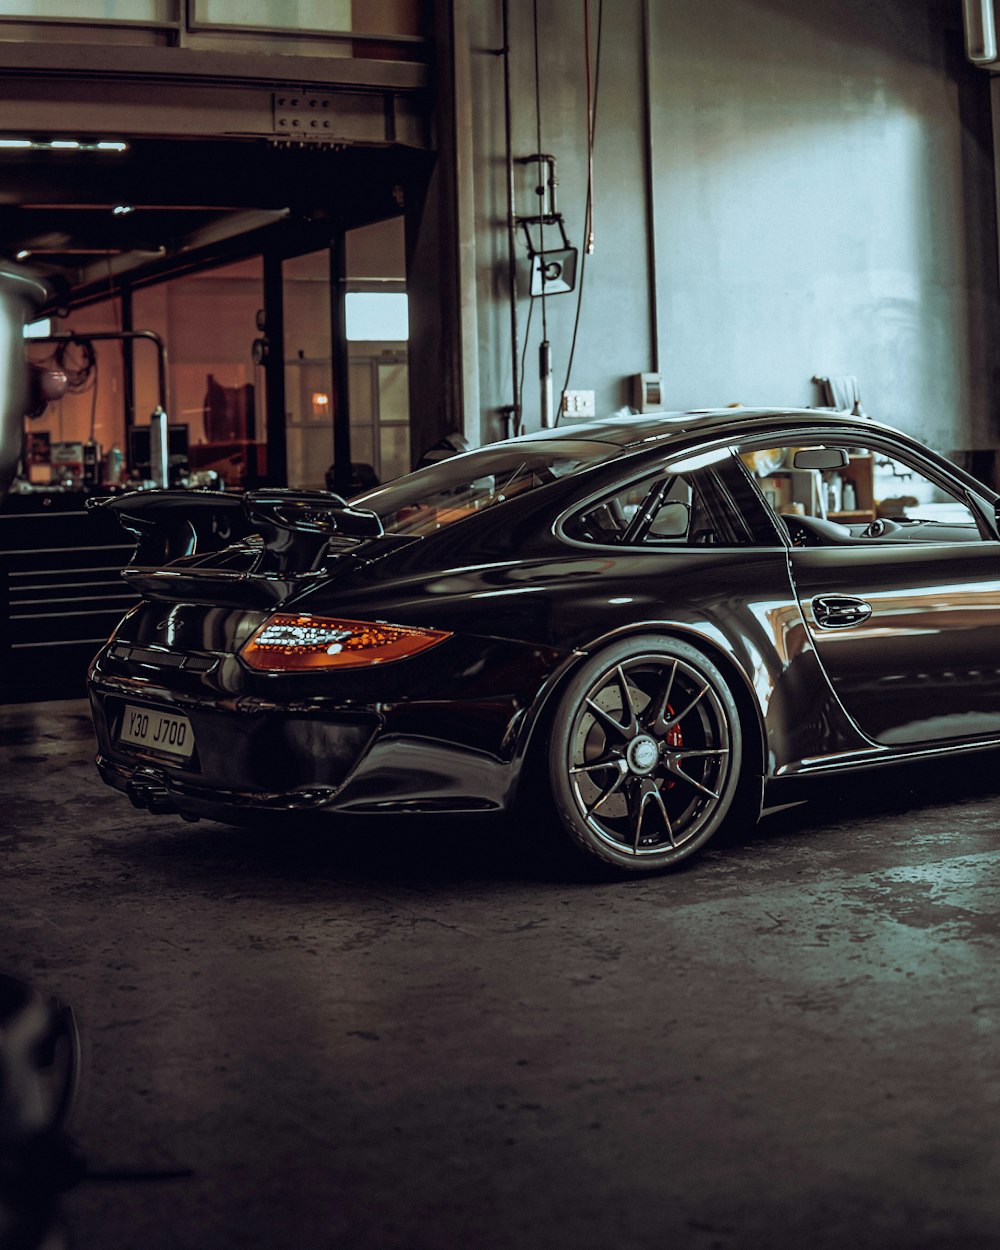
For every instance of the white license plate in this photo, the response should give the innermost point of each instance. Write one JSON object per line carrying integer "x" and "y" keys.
{"x": 157, "y": 731}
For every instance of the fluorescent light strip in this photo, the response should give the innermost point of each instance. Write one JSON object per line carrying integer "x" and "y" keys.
{"x": 62, "y": 145}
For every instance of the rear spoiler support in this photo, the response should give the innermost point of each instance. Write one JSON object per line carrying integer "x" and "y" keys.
{"x": 295, "y": 526}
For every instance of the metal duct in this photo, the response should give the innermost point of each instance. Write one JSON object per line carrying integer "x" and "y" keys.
{"x": 21, "y": 295}
{"x": 980, "y": 31}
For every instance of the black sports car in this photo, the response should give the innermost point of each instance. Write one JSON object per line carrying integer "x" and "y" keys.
{"x": 661, "y": 615}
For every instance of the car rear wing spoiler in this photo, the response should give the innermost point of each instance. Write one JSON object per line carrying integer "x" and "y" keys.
{"x": 294, "y": 528}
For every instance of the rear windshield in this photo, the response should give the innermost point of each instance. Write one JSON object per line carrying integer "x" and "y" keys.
{"x": 444, "y": 493}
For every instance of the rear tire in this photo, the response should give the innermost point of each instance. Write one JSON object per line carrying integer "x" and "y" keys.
{"x": 645, "y": 753}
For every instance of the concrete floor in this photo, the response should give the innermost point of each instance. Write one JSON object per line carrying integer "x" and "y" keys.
{"x": 419, "y": 1035}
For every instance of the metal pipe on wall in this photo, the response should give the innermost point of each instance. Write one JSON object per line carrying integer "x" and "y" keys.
{"x": 515, "y": 420}
{"x": 650, "y": 187}
{"x": 980, "y": 31}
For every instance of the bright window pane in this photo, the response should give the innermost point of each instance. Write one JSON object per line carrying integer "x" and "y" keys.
{"x": 101, "y": 10}
{"x": 377, "y": 317}
{"x": 278, "y": 14}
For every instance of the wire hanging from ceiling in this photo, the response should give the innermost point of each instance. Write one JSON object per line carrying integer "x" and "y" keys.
{"x": 588, "y": 229}
{"x": 541, "y": 166}
{"x": 547, "y": 417}
{"x": 516, "y": 384}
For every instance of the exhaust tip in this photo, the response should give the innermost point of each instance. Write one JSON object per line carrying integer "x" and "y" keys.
{"x": 150, "y": 796}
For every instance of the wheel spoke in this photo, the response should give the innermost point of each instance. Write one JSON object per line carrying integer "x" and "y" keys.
{"x": 627, "y": 704}
{"x": 687, "y": 755}
{"x": 649, "y": 795}
{"x": 616, "y": 785}
{"x": 628, "y": 731}
{"x": 675, "y": 770}
{"x": 679, "y": 716}
{"x": 657, "y": 710}
{"x": 611, "y": 761}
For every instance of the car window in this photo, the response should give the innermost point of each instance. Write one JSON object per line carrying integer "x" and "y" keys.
{"x": 706, "y": 506}
{"x": 430, "y": 499}
{"x": 874, "y": 493}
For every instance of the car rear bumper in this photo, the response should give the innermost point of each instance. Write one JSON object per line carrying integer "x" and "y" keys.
{"x": 243, "y": 758}
{"x": 320, "y": 752}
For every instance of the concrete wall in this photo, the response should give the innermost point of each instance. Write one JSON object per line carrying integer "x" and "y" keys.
{"x": 823, "y": 203}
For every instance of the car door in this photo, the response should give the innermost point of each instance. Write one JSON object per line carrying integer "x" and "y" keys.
{"x": 906, "y": 622}
{"x": 908, "y": 635}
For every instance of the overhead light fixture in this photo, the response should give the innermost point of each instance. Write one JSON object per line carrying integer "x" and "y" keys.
{"x": 23, "y": 254}
{"x": 63, "y": 145}
{"x": 120, "y": 210}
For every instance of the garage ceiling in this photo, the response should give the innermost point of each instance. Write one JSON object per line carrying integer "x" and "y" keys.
{"x": 86, "y": 217}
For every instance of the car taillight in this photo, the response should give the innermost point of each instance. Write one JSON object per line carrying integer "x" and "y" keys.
{"x": 296, "y": 642}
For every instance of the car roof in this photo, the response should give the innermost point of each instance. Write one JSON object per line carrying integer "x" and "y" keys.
{"x": 634, "y": 429}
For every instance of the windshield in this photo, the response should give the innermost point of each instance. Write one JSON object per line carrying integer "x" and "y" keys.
{"x": 429, "y": 499}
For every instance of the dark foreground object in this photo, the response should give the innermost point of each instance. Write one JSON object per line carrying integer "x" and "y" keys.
{"x": 413, "y": 1033}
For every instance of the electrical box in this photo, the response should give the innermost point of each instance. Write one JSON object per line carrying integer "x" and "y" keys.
{"x": 579, "y": 404}
{"x": 647, "y": 392}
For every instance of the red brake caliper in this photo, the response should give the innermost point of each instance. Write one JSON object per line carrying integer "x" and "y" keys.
{"x": 674, "y": 738}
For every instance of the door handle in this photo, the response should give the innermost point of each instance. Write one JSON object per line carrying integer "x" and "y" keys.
{"x": 840, "y": 611}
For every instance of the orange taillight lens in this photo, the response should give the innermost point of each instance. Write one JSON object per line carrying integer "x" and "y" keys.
{"x": 298, "y": 642}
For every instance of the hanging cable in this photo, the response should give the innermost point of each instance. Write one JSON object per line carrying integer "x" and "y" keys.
{"x": 548, "y": 418}
{"x": 516, "y": 385}
{"x": 588, "y": 215}
{"x": 540, "y": 190}
{"x": 588, "y": 225}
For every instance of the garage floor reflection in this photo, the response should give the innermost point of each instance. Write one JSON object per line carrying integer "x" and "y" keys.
{"x": 426, "y": 1034}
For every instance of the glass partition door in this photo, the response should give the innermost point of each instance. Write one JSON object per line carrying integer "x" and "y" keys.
{"x": 360, "y": 379}
{"x": 309, "y": 393}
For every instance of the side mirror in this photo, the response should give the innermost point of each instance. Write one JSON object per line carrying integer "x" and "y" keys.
{"x": 671, "y": 521}
{"x": 823, "y": 458}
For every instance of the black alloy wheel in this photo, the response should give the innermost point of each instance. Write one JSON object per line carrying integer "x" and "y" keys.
{"x": 645, "y": 753}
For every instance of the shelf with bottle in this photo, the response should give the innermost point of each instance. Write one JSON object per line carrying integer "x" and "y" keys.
{"x": 856, "y": 492}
